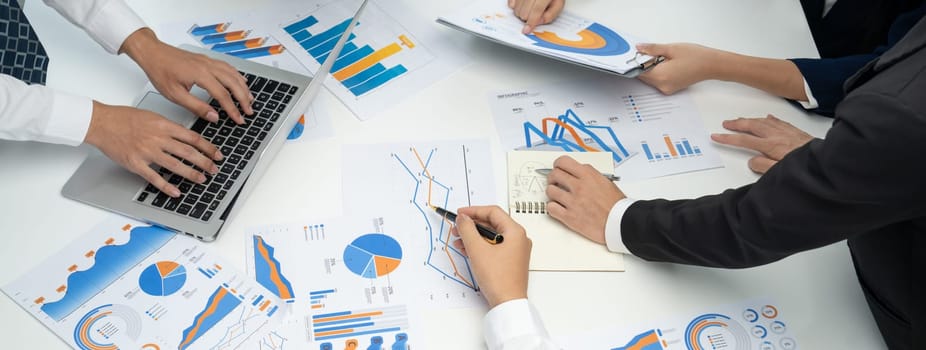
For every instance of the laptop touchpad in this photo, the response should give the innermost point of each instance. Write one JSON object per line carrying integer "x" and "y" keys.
{"x": 159, "y": 104}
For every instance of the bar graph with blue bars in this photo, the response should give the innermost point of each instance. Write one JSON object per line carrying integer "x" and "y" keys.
{"x": 674, "y": 150}
{"x": 359, "y": 68}
{"x": 317, "y": 298}
{"x": 354, "y": 323}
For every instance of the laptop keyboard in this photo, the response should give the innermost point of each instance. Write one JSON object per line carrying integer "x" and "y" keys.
{"x": 237, "y": 143}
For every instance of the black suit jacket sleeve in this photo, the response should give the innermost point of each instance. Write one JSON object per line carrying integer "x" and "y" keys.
{"x": 865, "y": 175}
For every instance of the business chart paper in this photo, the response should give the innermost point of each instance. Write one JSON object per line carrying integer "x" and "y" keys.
{"x": 128, "y": 285}
{"x": 649, "y": 134}
{"x": 569, "y": 38}
{"x": 365, "y": 278}
{"x": 391, "y": 54}
{"x": 752, "y": 325}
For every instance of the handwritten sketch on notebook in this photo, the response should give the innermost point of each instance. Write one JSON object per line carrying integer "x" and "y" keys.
{"x": 570, "y": 38}
{"x": 555, "y": 246}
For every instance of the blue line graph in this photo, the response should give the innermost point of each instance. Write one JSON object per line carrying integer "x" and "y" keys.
{"x": 571, "y": 134}
{"x": 436, "y": 192}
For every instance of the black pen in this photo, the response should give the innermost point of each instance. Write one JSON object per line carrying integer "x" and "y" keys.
{"x": 485, "y": 232}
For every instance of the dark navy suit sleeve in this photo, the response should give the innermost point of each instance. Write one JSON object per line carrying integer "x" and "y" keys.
{"x": 826, "y": 76}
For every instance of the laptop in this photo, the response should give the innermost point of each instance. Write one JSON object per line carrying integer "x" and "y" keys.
{"x": 203, "y": 209}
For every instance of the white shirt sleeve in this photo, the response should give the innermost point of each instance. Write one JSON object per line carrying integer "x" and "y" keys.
{"x": 516, "y": 325}
{"x": 612, "y": 228}
{"x": 109, "y": 22}
{"x": 811, "y": 101}
{"x": 39, "y": 113}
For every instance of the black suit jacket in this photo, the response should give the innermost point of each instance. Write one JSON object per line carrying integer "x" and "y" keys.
{"x": 865, "y": 183}
{"x": 853, "y": 27}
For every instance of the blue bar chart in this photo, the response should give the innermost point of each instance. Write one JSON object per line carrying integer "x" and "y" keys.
{"x": 674, "y": 149}
{"x": 359, "y": 67}
{"x": 353, "y": 323}
{"x": 239, "y": 43}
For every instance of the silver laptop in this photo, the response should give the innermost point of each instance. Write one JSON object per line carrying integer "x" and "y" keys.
{"x": 203, "y": 209}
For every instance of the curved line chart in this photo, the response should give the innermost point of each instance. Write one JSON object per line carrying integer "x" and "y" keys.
{"x": 437, "y": 194}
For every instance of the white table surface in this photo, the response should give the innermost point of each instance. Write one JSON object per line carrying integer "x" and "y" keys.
{"x": 817, "y": 291}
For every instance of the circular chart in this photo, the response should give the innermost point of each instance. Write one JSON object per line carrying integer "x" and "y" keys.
{"x": 596, "y": 40}
{"x": 373, "y": 255}
{"x": 162, "y": 278}
{"x": 716, "y": 331}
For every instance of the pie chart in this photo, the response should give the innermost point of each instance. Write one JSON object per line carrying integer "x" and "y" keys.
{"x": 373, "y": 255}
{"x": 162, "y": 278}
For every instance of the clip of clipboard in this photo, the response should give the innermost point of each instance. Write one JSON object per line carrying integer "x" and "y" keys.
{"x": 648, "y": 64}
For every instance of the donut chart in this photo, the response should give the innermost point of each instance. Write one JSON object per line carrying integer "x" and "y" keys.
{"x": 595, "y": 40}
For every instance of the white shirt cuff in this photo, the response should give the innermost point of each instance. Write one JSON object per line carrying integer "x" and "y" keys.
{"x": 811, "y": 101}
{"x": 114, "y": 22}
{"x": 612, "y": 229}
{"x": 69, "y": 120}
{"x": 510, "y": 321}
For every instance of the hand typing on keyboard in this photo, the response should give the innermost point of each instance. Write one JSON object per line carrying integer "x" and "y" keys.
{"x": 174, "y": 72}
{"x": 137, "y": 139}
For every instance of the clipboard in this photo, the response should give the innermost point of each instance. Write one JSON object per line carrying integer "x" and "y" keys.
{"x": 571, "y": 38}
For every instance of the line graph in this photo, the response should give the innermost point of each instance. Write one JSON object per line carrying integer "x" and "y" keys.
{"x": 458, "y": 270}
{"x": 570, "y": 133}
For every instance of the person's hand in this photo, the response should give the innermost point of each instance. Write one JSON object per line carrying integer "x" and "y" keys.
{"x": 581, "y": 198}
{"x": 772, "y": 137}
{"x": 684, "y": 65}
{"x": 500, "y": 269}
{"x": 135, "y": 138}
{"x": 536, "y": 12}
{"x": 174, "y": 72}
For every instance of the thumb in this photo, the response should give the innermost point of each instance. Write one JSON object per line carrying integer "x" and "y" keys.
{"x": 653, "y": 49}
{"x": 467, "y": 229}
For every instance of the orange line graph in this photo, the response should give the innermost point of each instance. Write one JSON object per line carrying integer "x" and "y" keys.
{"x": 449, "y": 257}
{"x": 426, "y": 174}
{"x": 571, "y": 131}
{"x": 446, "y": 247}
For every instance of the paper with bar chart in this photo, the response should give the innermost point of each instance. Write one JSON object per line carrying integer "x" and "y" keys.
{"x": 752, "y": 325}
{"x": 390, "y": 256}
{"x": 129, "y": 285}
{"x": 649, "y": 134}
{"x": 389, "y": 56}
{"x": 246, "y": 36}
{"x": 349, "y": 278}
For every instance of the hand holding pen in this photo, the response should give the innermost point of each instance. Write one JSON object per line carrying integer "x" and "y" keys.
{"x": 581, "y": 198}
{"x": 489, "y": 234}
{"x": 500, "y": 270}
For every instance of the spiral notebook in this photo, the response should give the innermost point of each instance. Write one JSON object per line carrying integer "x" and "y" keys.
{"x": 556, "y": 247}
